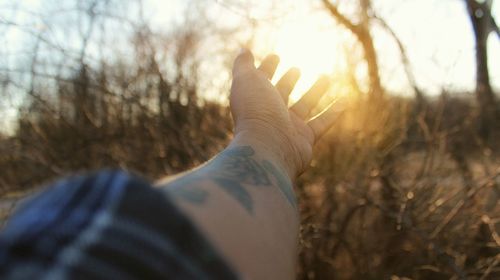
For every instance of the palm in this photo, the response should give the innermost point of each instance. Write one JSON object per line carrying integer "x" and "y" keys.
{"x": 255, "y": 100}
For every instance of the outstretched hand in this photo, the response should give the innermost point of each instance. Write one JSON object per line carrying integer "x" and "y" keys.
{"x": 260, "y": 110}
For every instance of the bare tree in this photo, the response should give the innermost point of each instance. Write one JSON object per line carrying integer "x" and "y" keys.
{"x": 362, "y": 32}
{"x": 483, "y": 25}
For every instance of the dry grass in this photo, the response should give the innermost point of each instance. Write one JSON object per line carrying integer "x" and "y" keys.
{"x": 392, "y": 193}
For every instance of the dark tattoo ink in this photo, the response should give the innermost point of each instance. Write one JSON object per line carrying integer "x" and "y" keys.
{"x": 237, "y": 191}
{"x": 283, "y": 182}
{"x": 231, "y": 171}
{"x": 235, "y": 167}
{"x": 237, "y": 164}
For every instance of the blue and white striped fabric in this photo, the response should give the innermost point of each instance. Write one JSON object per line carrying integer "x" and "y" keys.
{"x": 107, "y": 225}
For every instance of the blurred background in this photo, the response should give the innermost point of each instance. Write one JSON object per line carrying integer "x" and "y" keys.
{"x": 405, "y": 186}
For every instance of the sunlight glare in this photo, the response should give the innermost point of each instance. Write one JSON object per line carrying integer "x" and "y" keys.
{"x": 304, "y": 44}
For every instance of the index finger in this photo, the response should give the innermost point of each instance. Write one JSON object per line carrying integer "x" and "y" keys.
{"x": 244, "y": 62}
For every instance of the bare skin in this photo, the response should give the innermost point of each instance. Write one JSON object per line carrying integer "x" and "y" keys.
{"x": 243, "y": 199}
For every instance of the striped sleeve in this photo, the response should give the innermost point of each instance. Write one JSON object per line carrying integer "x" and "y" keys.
{"x": 107, "y": 225}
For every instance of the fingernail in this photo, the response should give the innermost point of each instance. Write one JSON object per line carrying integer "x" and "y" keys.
{"x": 243, "y": 51}
{"x": 296, "y": 71}
{"x": 274, "y": 57}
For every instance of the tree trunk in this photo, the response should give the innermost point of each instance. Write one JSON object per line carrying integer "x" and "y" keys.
{"x": 362, "y": 33}
{"x": 372, "y": 63}
{"x": 480, "y": 17}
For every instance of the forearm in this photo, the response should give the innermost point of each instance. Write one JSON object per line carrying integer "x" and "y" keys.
{"x": 243, "y": 200}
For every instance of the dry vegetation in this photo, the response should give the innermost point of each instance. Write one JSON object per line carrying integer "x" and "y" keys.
{"x": 402, "y": 197}
{"x": 399, "y": 188}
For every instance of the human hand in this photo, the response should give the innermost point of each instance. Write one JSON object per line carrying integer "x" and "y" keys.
{"x": 260, "y": 111}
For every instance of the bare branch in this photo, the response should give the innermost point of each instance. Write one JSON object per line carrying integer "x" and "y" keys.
{"x": 404, "y": 57}
{"x": 341, "y": 18}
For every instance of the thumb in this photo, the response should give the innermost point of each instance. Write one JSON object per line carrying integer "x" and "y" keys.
{"x": 243, "y": 62}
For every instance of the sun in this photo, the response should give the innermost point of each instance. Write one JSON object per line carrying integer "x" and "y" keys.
{"x": 310, "y": 45}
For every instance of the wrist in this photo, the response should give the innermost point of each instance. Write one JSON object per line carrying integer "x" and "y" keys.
{"x": 269, "y": 143}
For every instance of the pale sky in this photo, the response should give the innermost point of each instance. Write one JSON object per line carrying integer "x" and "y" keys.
{"x": 436, "y": 33}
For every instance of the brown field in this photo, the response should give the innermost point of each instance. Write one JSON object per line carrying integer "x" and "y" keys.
{"x": 399, "y": 188}
{"x": 386, "y": 197}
